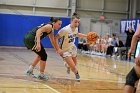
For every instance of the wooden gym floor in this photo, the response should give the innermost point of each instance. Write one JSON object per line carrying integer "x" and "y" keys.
{"x": 98, "y": 74}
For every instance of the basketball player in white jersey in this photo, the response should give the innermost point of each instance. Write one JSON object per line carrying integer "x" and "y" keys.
{"x": 68, "y": 35}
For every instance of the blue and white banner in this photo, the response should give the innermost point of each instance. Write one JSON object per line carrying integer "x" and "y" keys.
{"x": 124, "y": 25}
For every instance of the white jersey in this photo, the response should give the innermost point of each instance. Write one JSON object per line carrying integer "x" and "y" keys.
{"x": 67, "y": 37}
{"x": 137, "y": 49}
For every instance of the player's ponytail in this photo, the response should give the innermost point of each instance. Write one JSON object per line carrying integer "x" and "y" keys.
{"x": 75, "y": 15}
{"x": 54, "y": 19}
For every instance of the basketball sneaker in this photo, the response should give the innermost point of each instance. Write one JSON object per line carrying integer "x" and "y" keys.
{"x": 68, "y": 70}
{"x": 29, "y": 72}
{"x": 77, "y": 77}
{"x": 42, "y": 77}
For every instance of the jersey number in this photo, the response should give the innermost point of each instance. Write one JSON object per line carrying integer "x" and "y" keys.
{"x": 71, "y": 40}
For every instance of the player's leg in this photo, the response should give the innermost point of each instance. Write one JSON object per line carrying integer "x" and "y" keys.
{"x": 131, "y": 80}
{"x": 128, "y": 89}
{"x": 71, "y": 63}
{"x": 72, "y": 66}
{"x": 29, "y": 43}
{"x": 32, "y": 66}
{"x": 73, "y": 53}
{"x": 43, "y": 57}
{"x": 67, "y": 66}
{"x": 75, "y": 62}
{"x": 36, "y": 60}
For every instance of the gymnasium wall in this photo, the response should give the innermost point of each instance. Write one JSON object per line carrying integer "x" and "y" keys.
{"x": 14, "y": 27}
{"x": 89, "y": 11}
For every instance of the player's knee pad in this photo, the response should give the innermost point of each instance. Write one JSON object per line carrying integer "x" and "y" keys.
{"x": 131, "y": 78}
{"x": 44, "y": 57}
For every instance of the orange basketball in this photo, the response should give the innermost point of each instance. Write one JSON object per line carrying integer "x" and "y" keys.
{"x": 92, "y": 36}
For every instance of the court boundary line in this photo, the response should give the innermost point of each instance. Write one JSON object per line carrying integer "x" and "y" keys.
{"x": 24, "y": 61}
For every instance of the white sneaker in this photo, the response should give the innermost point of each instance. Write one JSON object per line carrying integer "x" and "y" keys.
{"x": 29, "y": 72}
{"x": 113, "y": 56}
{"x": 44, "y": 77}
{"x": 77, "y": 77}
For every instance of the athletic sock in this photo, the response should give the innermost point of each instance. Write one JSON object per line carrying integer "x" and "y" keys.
{"x": 31, "y": 68}
{"x": 41, "y": 74}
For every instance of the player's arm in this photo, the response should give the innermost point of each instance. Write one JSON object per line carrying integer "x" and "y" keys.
{"x": 56, "y": 40}
{"x": 82, "y": 35}
{"x": 135, "y": 38}
{"x": 117, "y": 39}
{"x": 61, "y": 33}
{"x": 48, "y": 28}
{"x": 51, "y": 36}
{"x": 59, "y": 51}
{"x": 38, "y": 33}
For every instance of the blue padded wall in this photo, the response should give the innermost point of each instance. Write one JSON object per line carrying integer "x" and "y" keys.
{"x": 14, "y": 27}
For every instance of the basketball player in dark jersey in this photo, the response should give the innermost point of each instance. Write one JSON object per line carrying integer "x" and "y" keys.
{"x": 32, "y": 41}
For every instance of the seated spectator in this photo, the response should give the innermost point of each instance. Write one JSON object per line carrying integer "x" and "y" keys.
{"x": 111, "y": 45}
{"x": 99, "y": 44}
{"x": 119, "y": 42}
{"x": 107, "y": 41}
{"x": 85, "y": 45}
{"x": 118, "y": 49}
